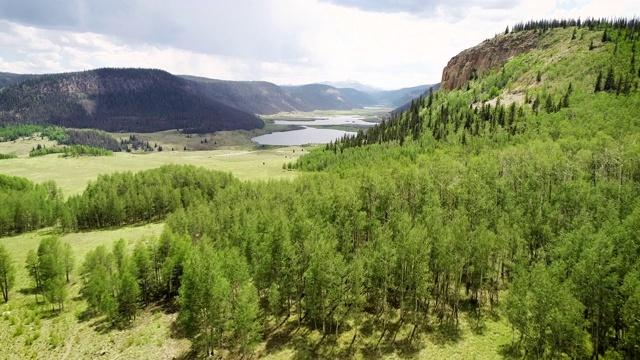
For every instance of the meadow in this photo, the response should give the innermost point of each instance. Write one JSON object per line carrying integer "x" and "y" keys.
{"x": 73, "y": 173}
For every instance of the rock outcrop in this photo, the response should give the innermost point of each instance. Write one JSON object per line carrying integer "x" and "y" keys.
{"x": 489, "y": 54}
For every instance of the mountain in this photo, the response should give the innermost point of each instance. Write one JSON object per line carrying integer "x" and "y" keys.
{"x": 140, "y": 100}
{"x": 7, "y": 79}
{"x": 260, "y": 97}
{"x": 150, "y": 100}
{"x": 320, "y": 97}
{"x": 491, "y": 53}
{"x": 396, "y": 98}
{"x": 352, "y": 84}
{"x": 377, "y": 96}
{"x": 424, "y": 94}
{"x": 360, "y": 97}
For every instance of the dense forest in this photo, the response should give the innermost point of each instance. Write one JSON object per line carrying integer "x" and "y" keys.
{"x": 514, "y": 196}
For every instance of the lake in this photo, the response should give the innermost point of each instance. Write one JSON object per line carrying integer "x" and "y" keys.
{"x": 301, "y": 137}
{"x": 311, "y": 135}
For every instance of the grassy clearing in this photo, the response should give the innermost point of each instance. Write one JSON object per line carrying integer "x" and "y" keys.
{"x": 32, "y": 331}
{"x": 221, "y": 140}
{"x": 489, "y": 340}
{"x": 73, "y": 174}
{"x": 23, "y": 146}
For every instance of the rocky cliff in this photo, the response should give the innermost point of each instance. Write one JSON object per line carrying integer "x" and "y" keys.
{"x": 489, "y": 54}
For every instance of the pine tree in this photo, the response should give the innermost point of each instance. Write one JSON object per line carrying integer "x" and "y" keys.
{"x": 599, "y": 82}
{"x": 610, "y": 80}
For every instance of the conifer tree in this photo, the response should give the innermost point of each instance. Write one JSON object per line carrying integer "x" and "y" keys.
{"x": 610, "y": 80}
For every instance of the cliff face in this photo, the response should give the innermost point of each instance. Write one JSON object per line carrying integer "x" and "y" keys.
{"x": 489, "y": 54}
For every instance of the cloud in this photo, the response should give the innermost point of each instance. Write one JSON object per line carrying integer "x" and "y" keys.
{"x": 452, "y": 9}
{"x": 242, "y": 28}
{"x": 392, "y": 43}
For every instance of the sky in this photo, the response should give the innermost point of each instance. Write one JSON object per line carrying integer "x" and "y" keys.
{"x": 385, "y": 43}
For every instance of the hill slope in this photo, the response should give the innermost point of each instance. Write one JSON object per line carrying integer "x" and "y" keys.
{"x": 258, "y": 97}
{"x": 261, "y": 97}
{"x": 522, "y": 179}
{"x": 7, "y": 79}
{"x": 320, "y": 97}
{"x": 138, "y": 100}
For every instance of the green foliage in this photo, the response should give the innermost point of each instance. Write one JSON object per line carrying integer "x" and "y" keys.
{"x": 126, "y": 198}
{"x": 47, "y": 269}
{"x": 75, "y": 150}
{"x": 546, "y": 315}
{"x": 14, "y": 132}
{"x": 7, "y": 156}
{"x": 555, "y": 183}
{"x": 7, "y": 273}
{"x": 27, "y": 206}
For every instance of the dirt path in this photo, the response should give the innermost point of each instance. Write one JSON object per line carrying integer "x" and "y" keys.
{"x": 69, "y": 345}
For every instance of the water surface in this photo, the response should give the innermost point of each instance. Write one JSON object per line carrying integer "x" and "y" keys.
{"x": 301, "y": 137}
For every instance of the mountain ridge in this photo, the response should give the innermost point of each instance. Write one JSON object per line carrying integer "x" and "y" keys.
{"x": 140, "y": 100}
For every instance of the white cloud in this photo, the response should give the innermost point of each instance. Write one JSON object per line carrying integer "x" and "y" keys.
{"x": 282, "y": 41}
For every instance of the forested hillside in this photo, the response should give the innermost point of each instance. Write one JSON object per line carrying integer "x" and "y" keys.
{"x": 513, "y": 196}
{"x": 528, "y": 180}
{"x": 7, "y": 79}
{"x": 118, "y": 100}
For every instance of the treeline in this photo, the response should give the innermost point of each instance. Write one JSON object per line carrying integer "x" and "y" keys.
{"x": 11, "y": 133}
{"x": 92, "y": 138}
{"x": 87, "y": 137}
{"x": 7, "y": 156}
{"x": 112, "y": 200}
{"x": 27, "y": 206}
{"x": 590, "y": 23}
{"x": 134, "y": 144}
{"x": 126, "y": 198}
{"x": 75, "y": 150}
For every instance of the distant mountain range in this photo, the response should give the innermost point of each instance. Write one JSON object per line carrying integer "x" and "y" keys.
{"x": 352, "y": 84}
{"x": 147, "y": 100}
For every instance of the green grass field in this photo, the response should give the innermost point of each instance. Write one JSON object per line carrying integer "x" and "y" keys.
{"x": 32, "y": 331}
{"x": 73, "y": 174}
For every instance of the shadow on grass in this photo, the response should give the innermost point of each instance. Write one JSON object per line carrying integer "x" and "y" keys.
{"x": 446, "y": 333}
{"x": 27, "y": 291}
{"x": 510, "y": 351}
